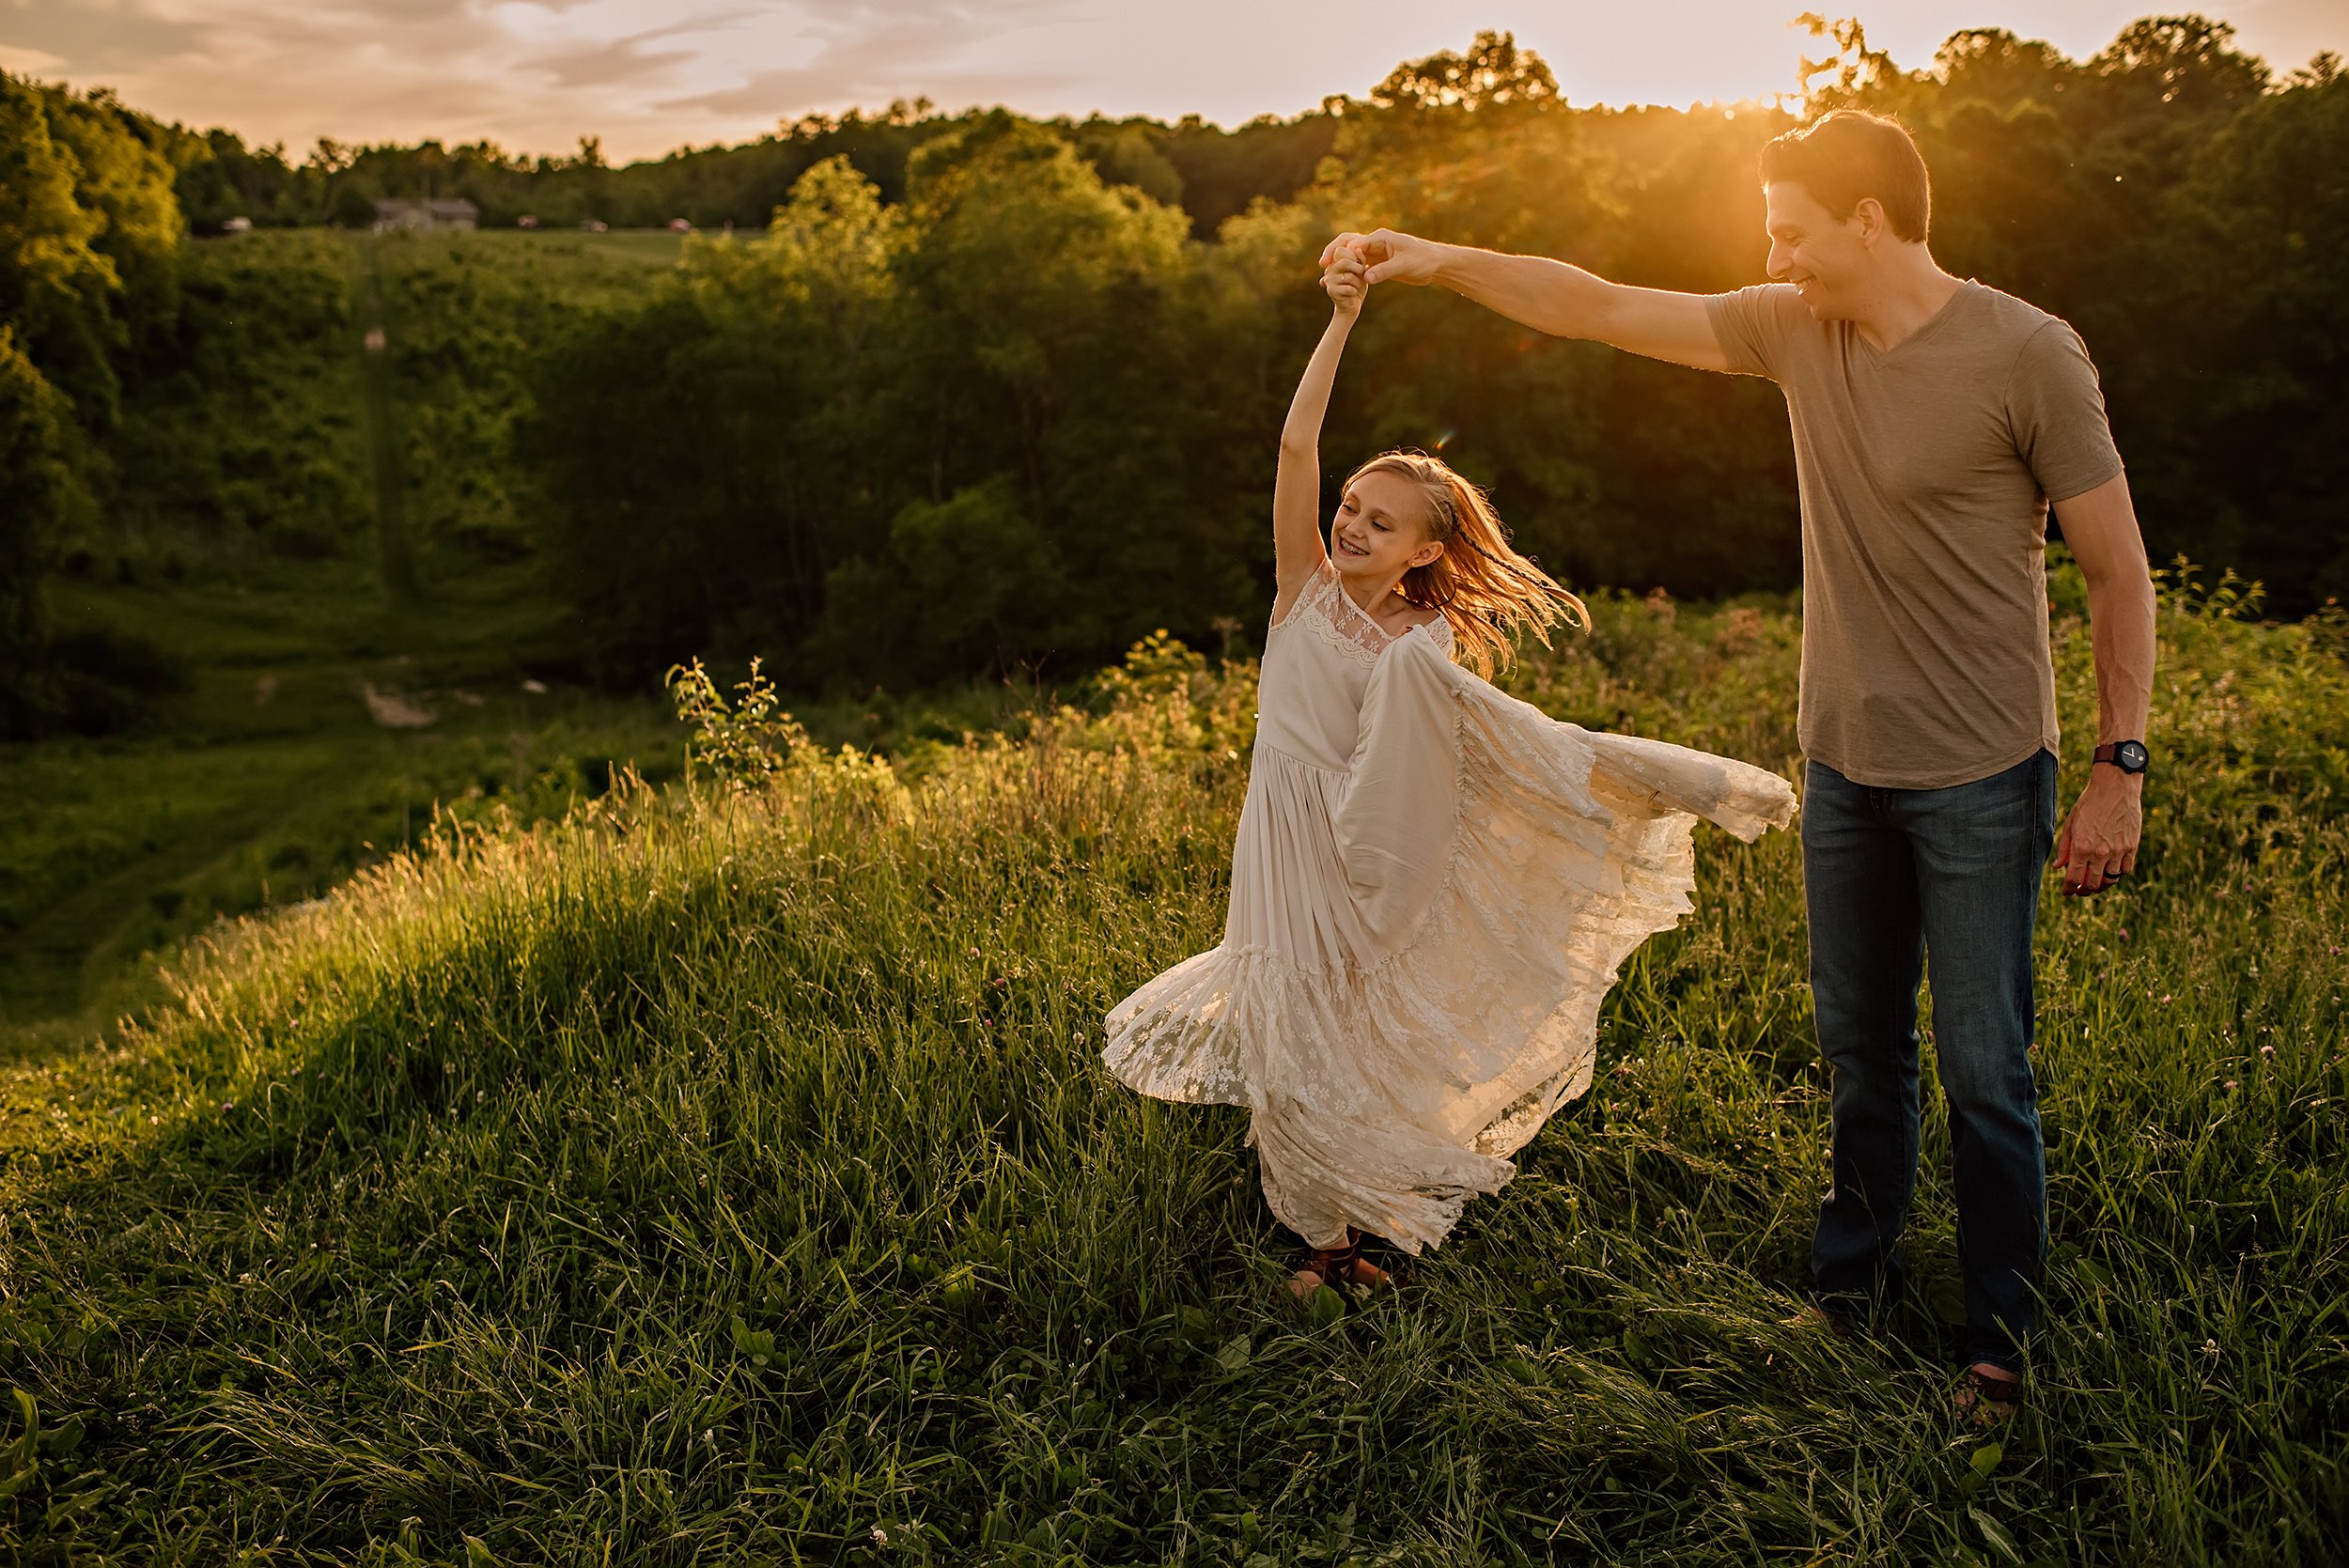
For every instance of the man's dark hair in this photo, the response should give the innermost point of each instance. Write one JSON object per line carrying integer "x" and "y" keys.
{"x": 1846, "y": 156}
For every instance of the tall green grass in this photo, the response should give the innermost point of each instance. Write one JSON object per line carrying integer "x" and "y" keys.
{"x": 728, "y": 1176}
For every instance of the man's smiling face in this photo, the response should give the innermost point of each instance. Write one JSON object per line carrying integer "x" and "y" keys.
{"x": 1824, "y": 259}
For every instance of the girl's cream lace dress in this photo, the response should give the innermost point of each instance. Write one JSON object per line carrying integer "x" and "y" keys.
{"x": 1432, "y": 888}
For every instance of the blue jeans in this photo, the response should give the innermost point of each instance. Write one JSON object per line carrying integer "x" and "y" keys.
{"x": 1891, "y": 876}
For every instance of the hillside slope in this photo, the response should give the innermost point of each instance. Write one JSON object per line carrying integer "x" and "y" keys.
{"x": 729, "y": 1176}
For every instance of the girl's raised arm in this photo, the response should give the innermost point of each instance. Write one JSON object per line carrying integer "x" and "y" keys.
{"x": 1296, "y": 547}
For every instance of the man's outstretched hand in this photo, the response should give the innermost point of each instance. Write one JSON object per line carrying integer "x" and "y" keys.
{"x": 1389, "y": 256}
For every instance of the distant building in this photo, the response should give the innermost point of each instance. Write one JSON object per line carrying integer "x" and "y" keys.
{"x": 680, "y": 225}
{"x": 237, "y": 226}
{"x": 528, "y": 220}
{"x": 431, "y": 212}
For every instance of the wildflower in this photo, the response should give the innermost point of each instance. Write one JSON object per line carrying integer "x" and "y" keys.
{"x": 2229, "y": 1085}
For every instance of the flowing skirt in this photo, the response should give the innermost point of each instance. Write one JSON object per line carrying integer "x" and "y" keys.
{"x": 1417, "y": 945}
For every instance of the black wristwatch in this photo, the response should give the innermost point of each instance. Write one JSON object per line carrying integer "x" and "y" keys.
{"x": 2130, "y": 756}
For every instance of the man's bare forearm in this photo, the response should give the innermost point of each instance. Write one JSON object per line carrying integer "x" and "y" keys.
{"x": 2121, "y": 616}
{"x": 1549, "y": 296}
{"x": 2100, "y": 525}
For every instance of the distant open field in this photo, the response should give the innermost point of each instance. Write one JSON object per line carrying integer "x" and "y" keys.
{"x": 245, "y": 550}
{"x": 272, "y": 779}
{"x": 652, "y": 246}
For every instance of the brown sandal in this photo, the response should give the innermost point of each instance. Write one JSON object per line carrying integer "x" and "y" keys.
{"x": 1337, "y": 1267}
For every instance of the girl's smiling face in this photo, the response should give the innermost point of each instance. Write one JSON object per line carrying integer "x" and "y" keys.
{"x": 1381, "y": 529}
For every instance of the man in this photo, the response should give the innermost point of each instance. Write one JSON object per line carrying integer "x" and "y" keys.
{"x": 1935, "y": 419}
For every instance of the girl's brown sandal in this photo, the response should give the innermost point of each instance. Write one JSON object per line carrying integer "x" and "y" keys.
{"x": 1338, "y": 1267}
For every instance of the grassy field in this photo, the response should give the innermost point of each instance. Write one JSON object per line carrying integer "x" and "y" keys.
{"x": 728, "y": 1176}
{"x": 243, "y": 545}
{"x": 650, "y": 245}
{"x": 272, "y": 779}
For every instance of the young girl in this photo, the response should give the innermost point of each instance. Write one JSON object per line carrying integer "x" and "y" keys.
{"x": 1434, "y": 882}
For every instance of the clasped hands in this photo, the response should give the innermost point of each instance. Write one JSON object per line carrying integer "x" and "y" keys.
{"x": 1342, "y": 280}
{"x": 1352, "y": 262}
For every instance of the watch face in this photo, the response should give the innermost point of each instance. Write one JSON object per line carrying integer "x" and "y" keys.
{"x": 2131, "y": 755}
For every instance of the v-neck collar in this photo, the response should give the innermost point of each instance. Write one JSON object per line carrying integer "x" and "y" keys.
{"x": 1932, "y": 327}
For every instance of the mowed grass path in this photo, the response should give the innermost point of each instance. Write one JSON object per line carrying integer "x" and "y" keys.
{"x": 732, "y": 1178}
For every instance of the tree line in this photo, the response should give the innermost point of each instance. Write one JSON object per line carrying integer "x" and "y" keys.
{"x": 990, "y": 392}
{"x": 1016, "y": 415}
{"x": 1209, "y": 171}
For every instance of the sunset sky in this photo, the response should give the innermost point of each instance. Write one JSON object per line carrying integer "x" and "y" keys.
{"x": 649, "y": 75}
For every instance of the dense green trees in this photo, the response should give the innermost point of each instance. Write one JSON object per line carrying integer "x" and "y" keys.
{"x": 38, "y": 487}
{"x": 1055, "y": 429}
{"x": 907, "y": 441}
{"x": 88, "y": 227}
{"x": 2252, "y": 456}
{"x": 987, "y": 393}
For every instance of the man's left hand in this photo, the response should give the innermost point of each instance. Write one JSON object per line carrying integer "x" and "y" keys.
{"x": 2097, "y": 845}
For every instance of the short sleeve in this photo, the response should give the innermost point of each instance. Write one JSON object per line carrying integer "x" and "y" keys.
{"x": 1749, "y": 324}
{"x": 2057, "y": 409}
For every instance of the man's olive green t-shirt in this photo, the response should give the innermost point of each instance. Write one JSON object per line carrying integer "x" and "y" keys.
{"x": 1925, "y": 473}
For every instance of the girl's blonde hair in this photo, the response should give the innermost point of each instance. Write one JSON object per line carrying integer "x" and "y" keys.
{"x": 1484, "y": 587}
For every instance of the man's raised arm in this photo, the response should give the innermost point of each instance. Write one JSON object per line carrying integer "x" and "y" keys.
{"x": 1548, "y": 296}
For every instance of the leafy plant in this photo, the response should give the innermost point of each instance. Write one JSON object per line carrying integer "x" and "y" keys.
{"x": 742, "y": 742}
